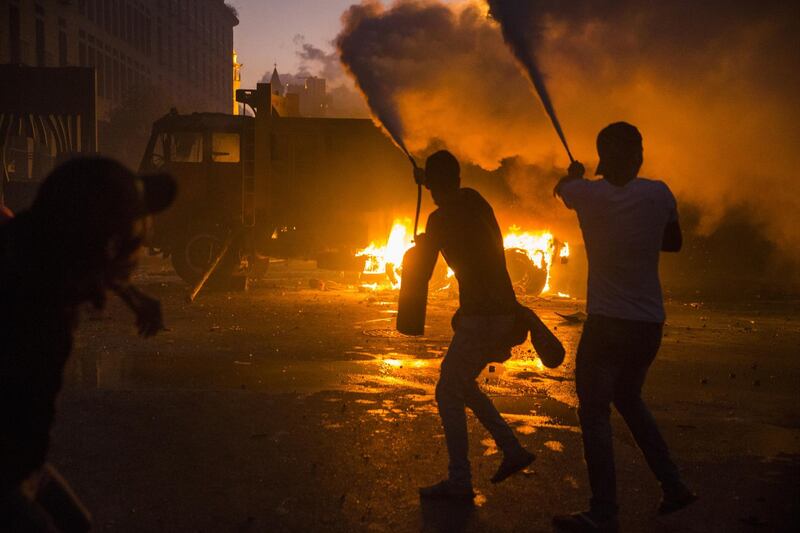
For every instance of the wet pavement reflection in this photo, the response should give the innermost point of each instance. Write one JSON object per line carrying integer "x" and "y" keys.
{"x": 371, "y": 357}
{"x": 282, "y": 338}
{"x": 306, "y": 409}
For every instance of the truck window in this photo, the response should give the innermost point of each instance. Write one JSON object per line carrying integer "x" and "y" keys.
{"x": 187, "y": 147}
{"x": 160, "y": 150}
{"x": 225, "y": 147}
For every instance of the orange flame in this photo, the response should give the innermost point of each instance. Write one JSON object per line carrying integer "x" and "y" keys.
{"x": 540, "y": 247}
{"x": 387, "y": 258}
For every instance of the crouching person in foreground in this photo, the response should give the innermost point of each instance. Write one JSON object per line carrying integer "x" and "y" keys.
{"x": 465, "y": 231}
{"x": 79, "y": 240}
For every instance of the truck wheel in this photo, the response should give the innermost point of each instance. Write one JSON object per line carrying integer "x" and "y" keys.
{"x": 192, "y": 258}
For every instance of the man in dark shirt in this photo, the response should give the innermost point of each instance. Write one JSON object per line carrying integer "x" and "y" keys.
{"x": 465, "y": 231}
{"x": 79, "y": 240}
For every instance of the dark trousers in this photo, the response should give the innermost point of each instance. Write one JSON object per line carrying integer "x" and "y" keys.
{"x": 612, "y": 362}
{"x": 478, "y": 340}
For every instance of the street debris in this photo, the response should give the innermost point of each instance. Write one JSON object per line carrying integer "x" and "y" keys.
{"x": 575, "y": 318}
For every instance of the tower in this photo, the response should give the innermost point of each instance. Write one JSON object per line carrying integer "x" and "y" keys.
{"x": 275, "y": 82}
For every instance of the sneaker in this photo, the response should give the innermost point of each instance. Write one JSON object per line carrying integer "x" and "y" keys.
{"x": 675, "y": 501}
{"x": 512, "y": 464}
{"x": 586, "y": 521}
{"x": 447, "y": 490}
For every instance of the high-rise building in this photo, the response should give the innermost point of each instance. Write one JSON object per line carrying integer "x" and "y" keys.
{"x": 181, "y": 50}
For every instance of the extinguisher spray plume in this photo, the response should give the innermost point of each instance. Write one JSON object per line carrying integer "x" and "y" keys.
{"x": 517, "y": 22}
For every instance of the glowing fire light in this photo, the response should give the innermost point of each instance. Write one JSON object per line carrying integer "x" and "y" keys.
{"x": 386, "y": 259}
{"x": 540, "y": 247}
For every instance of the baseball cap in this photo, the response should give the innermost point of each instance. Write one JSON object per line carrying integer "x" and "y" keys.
{"x": 101, "y": 194}
{"x": 442, "y": 168}
{"x": 619, "y": 140}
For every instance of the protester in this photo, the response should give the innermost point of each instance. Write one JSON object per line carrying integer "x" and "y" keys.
{"x": 465, "y": 231}
{"x": 79, "y": 240}
{"x": 626, "y": 222}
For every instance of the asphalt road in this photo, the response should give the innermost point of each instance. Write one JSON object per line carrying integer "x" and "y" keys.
{"x": 292, "y": 408}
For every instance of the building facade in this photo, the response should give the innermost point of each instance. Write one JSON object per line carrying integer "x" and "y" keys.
{"x": 237, "y": 80}
{"x": 310, "y": 93}
{"x": 181, "y": 50}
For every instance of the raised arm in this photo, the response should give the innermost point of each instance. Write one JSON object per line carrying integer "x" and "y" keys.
{"x": 575, "y": 172}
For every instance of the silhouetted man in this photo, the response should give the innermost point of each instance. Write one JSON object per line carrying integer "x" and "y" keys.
{"x": 466, "y": 232}
{"x": 79, "y": 240}
{"x": 626, "y": 222}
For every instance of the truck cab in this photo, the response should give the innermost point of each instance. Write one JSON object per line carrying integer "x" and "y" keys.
{"x": 204, "y": 152}
{"x": 271, "y": 185}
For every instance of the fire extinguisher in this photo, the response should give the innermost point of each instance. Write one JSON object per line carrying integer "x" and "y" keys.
{"x": 418, "y": 264}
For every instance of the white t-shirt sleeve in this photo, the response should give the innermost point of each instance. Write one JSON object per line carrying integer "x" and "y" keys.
{"x": 670, "y": 203}
{"x": 574, "y": 193}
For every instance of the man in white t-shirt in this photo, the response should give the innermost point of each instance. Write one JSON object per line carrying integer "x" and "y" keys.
{"x": 626, "y": 222}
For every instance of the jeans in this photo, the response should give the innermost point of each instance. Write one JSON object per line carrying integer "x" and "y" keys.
{"x": 478, "y": 340}
{"x": 612, "y": 362}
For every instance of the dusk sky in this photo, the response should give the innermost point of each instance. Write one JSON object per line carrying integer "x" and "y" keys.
{"x": 267, "y": 28}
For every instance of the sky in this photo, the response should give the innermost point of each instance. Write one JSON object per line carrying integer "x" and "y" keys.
{"x": 267, "y": 28}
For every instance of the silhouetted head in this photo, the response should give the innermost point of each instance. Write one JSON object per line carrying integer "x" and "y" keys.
{"x": 96, "y": 212}
{"x": 619, "y": 146}
{"x": 442, "y": 176}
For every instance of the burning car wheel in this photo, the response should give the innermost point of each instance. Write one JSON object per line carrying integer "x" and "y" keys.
{"x": 194, "y": 257}
{"x": 524, "y": 272}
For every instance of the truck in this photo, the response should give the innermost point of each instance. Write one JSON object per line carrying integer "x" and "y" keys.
{"x": 271, "y": 184}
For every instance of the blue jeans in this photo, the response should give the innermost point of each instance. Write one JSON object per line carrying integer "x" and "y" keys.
{"x": 478, "y": 340}
{"x": 613, "y": 358}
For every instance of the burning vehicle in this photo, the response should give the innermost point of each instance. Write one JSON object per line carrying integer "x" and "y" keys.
{"x": 530, "y": 255}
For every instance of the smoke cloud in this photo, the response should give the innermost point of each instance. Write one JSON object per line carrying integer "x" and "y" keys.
{"x": 518, "y": 24}
{"x": 360, "y": 45}
{"x": 711, "y": 85}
